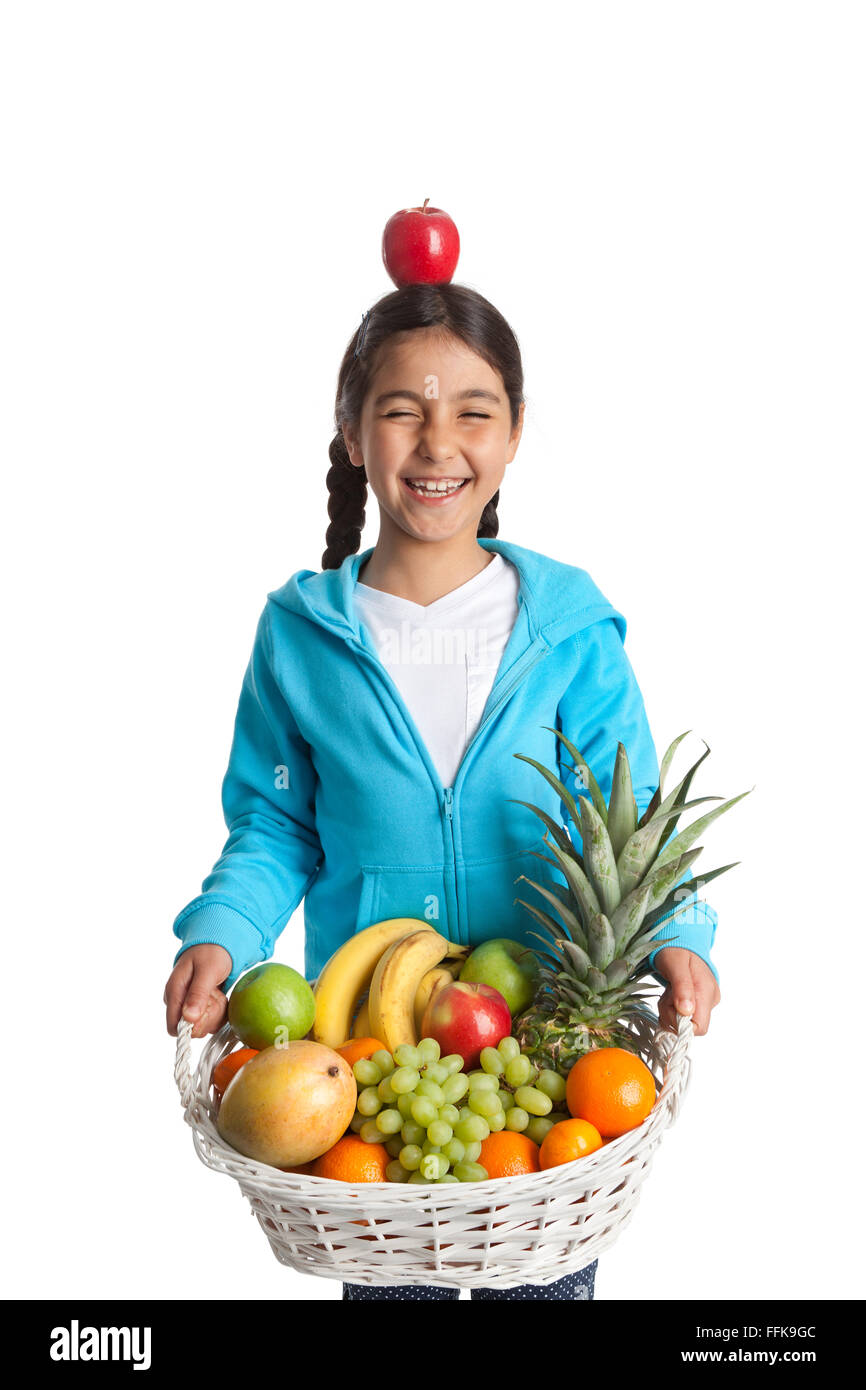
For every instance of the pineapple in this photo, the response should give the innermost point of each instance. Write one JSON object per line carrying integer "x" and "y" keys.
{"x": 616, "y": 893}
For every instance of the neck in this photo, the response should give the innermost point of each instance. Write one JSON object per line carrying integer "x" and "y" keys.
{"x": 423, "y": 571}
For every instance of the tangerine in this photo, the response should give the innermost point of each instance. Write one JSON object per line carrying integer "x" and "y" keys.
{"x": 226, "y": 1069}
{"x": 568, "y": 1140}
{"x": 352, "y": 1160}
{"x": 358, "y": 1049}
{"x": 612, "y": 1088}
{"x": 508, "y": 1155}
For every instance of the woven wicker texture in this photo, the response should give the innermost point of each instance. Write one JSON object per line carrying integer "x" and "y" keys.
{"x": 502, "y": 1232}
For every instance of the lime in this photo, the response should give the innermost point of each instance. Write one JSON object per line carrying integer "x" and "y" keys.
{"x": 271, "y": 1004}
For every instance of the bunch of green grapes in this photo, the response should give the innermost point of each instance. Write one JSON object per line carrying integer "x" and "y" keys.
{"x": 511, "y": 1092}
{"x": 409, "y": 1103}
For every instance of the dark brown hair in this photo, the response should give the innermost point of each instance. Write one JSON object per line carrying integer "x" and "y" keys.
{"x": 453, "y": 309}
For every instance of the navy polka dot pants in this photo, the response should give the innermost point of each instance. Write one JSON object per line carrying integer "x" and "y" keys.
{"x": 578, "y": 1286}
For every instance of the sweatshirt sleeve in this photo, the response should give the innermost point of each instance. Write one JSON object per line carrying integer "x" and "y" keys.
{"x": 273, "y": 851}
{"x": 603, "y": 707}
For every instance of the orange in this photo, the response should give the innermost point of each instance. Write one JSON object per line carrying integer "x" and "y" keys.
{"x": 351, "y": 1160}
{"x": 507, "y": 1155}
{"x": 226, "y": 1069}
{"x": 612, "y": 1088}
{"x": 357, "y": 1048}
{"x": 569, "y": 1139}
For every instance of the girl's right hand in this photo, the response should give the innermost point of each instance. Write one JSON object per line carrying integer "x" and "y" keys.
{"x": 193, "y": 990}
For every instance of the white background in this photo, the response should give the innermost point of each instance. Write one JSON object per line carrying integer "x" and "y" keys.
{"x": 666, "y": 202}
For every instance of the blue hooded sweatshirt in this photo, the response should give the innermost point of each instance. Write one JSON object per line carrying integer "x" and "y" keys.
{"x": 331, "y": 797}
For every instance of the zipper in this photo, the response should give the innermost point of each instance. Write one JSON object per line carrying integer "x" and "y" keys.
{"x": 447, "y": 793}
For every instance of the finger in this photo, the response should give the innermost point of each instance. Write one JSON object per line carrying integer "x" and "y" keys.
{"x": 681, "y": 984}
{"x": 706, "y": 997}
{"x": 197, "y": 1002}
{"x": 667, "y": 1013}
{"x": 175, "y": 991}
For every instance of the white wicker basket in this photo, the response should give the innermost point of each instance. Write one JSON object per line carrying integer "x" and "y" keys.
{"x": 499, "y": 1233}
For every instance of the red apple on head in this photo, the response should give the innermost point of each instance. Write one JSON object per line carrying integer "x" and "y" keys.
{"x": 420, "y": 246}
{"x": 466, "y": 1017}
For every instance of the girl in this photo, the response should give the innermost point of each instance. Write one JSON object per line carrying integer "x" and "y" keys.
{"x": 372, "y": 771}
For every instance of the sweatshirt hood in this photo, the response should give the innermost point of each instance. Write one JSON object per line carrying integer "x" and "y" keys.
{"x": 556, "y": 600}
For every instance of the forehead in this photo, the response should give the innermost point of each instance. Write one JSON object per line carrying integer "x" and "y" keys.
{"x": 415, "y": 354}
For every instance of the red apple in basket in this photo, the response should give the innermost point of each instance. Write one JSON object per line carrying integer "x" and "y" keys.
{"x": 465, "y": 1017}
{"x": 420, "y": 246}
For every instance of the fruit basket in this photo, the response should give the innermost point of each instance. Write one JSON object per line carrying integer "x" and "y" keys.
{"x": 500, "y": 1232}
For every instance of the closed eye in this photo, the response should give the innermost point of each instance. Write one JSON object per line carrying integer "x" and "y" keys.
{"x": 467, "y": 414}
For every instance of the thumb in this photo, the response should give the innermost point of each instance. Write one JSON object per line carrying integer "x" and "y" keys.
{"x": 196, "y": 1002}
{"x": 681, "y": 986}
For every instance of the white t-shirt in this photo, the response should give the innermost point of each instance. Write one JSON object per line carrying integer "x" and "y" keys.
{"x": 443, "y": 657}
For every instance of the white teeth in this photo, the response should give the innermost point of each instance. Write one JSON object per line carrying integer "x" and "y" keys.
{"x": 432, "y": 489}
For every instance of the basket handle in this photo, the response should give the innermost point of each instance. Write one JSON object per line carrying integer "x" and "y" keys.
{"x": 183, "y": 1071}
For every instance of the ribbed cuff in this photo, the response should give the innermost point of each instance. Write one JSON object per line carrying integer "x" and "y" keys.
{"x": 207, "y": 923}
{"x": 694, "y": 929}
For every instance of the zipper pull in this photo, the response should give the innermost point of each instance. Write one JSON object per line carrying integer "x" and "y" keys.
{"x": 449, "y": 793}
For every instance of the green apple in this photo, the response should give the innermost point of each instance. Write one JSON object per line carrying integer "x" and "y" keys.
{"x": 506, "y": 965}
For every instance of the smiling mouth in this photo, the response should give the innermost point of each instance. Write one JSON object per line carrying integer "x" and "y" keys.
{"x": 443, "y": 487}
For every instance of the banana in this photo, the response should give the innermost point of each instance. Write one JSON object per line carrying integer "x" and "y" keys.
{"x": 429, "y": 985}
{"x": 395, "y": 984}
{"x": 348, "y": 972}
{"x": 361, "y": 1026}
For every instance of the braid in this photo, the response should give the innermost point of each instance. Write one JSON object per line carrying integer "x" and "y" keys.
{"x": 347, "y": 488}
{"x": 488, "y": 522}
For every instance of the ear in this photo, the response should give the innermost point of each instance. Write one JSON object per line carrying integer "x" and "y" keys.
{"x": 514, "y": 438}
{"x": 356, "y": 458}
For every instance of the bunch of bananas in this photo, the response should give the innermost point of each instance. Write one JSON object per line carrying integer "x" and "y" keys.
{"x": 379, "y": 982}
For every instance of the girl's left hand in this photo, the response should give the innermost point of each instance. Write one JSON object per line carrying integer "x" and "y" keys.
{"x": 692, "y": 988}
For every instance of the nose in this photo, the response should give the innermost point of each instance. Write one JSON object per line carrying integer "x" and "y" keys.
{"x": 436, "y": 442}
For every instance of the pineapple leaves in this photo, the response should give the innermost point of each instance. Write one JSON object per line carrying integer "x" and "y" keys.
{"x": 579, "y": 884}
{"x": 565, "y": 913}
{"x": 601, "y": 941}
{"x": 668, "y": 758}
{"x": 561, "y": 790}
{"x": 622, "y": 812}
{"x": 599, "y": 858}
{"x": 687, "y": 837}
{"x": 561, "y": 835}
{"x": 581, "y": 767}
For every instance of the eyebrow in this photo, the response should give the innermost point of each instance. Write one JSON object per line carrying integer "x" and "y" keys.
{"x": 474, "y": 393}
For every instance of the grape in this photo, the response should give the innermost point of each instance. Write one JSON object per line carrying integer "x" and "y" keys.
{"x": 518, "y": 1071}
{"x": 404, "y": 1080}
{"x": 471, "y": 1128}
{"x": 384, "y": 1061}
{"x": 394, "y": 1145}
{"x": 385, "y": 1092}
{"x": 455, "y": 1150}
{"x": 454, "y": 1063}
{"x": 424, "y": 1112}
{"x": 485, "y": 1103}
{"x": 413, "y": 1133}
{"x": 431, "y": 1090}
{"x": 439, "y": 1133}
{"x": 552, "y": 1084}
{"x": 369, "y": 1102}
{"x": 470, "y": 1172}
{"x": 410, "y": 1157}
{"x": 366, "y": 1072}
{"x": 395, "y": 1172}
{"x": 517, "y": 1119}
{"x": 482, "y": 1081}
{"x": 357, "y": 1121}
{"x": 508, "y": 1049}
{"x": 491, "y": 1061}
{"x": 434, "y": 1071}
{"x": 473, "y": 1152}
{"x": 496, "y": 1122}
{"x": 428, "y": 1050}
{"x": 389, "y": 1121}
{"x": 506, "y": 1100}
{"x": 428, "y": 1147}
{"x": 371, "y": 1133}
{"x": 455, "y": 1087}
{"x": 449, "y": 1177}
{"x": 404, "y": 1105}
{"x": 418, "y": 1177}
{"x": 449, "y": 1114}
{"x": 539, "y": 1127}
{"x": 407, "y": 1056}
{"x": 536, "y": 1102}
{"x": 433, "y": 1167}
